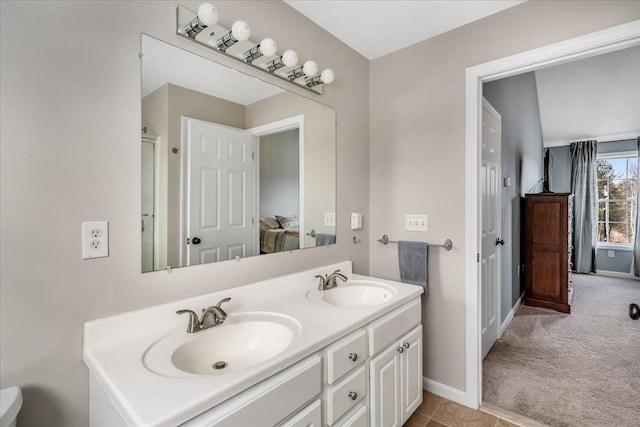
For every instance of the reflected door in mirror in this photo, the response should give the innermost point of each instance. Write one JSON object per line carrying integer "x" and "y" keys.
{"x": 219, "y": 189}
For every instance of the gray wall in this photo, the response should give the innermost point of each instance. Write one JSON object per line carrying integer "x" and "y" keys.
{"x": 620, "y": 262}
{"x": 279, "y": 174}
{"x": 417, "y": 115}
{"x": 560, "y": 176}
{"x": 70, "y": 112}
{"x": 516, "y": 99}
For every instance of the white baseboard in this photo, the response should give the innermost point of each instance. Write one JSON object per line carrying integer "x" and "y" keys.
{"x": 615, "y": 274}
{"x": 444, "y": 390}
{"x": 509, "y": 318}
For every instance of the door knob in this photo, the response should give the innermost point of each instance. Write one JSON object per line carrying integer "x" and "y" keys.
{"x": 196, "y": 241}
{"x": 499, "y": 241}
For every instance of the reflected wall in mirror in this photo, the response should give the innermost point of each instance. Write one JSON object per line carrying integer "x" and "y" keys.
{"x": 232, "y": 166}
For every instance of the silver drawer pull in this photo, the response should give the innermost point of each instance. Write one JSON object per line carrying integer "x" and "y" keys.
{"x": 353, "y": 356}
{"x": 400, "y": 349}
{"x": 406, "y": 345}
{"x": 353, "y": 395}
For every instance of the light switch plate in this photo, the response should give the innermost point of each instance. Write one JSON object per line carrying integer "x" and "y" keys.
{"x": 330, "y": 219}
{"x": 356, "y": 220}
{"x": 414, "y": 222}
{"x": 95, "y": 239}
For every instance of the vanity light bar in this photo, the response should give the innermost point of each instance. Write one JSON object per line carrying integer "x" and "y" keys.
{"x": 207, "y": 16}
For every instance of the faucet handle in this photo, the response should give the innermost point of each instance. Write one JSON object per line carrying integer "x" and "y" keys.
{"x": 194, "y": 322}
{"x": 323, "y": 281}
{"x": 222, "y": 302}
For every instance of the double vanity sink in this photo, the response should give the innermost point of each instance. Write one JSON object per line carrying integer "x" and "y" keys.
{"x": 153, "y": 372}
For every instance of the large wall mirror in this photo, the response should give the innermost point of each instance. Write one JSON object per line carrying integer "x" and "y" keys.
{"x": 232, "y": 166}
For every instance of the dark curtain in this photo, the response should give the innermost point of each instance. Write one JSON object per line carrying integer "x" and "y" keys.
{"x": 585, "y": 205}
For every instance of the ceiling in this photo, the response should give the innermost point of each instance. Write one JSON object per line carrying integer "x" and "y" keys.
{"x": 163, "y": 63}
{"x": 377, "y": 28}
{"x": 597, "y": 97}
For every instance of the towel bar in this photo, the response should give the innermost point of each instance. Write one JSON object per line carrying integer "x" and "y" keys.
{"x": 448, "y": 244}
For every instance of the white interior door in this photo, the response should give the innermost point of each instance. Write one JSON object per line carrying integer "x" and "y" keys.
{"x": 490, "y": 255}
{"x": 147, "y": 221}
{"x": 219, "y": 192}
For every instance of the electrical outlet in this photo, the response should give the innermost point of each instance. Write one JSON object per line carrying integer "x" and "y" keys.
{"x": 95, "y": 239}
{"x": 611, "y": 254}
{"x": 416, "y": 222}
{"x": 330, "y": 219}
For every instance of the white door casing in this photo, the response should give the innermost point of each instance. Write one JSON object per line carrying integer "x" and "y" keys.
{"x": 217, "y": 192}
{"x": 490, "y": 226}
{"x": 600, "y": 42}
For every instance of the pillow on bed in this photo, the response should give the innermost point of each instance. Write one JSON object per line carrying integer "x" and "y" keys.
{"x": 269, "y": 222}
{"x": 288, "y": 222}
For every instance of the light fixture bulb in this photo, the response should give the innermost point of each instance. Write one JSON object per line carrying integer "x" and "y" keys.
{"x": 327, "y": 76}
{"x": 240, "y": 31}
{"x": 290, "y": 58}
{"x": 268, "y": 47}
{"x": 310, "y": 68}
{"x": 207, "y": 14}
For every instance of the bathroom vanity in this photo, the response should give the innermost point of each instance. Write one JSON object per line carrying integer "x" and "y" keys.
{"x": 287, "y": 354}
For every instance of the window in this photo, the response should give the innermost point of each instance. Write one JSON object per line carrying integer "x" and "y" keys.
{"x": 617, "y": 182}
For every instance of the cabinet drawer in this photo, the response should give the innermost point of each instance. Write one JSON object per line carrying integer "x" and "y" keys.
{"x": 346, "y": 394}
{"x": 392, "y": 326}
{"x": 346, "y": 355}
{"x": 358, "y": 419}
{"x": 311, "y": 416}
{"x": 268, "y": 402}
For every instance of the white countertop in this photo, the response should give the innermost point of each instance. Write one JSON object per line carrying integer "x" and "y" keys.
{"x": 114, "y": 346}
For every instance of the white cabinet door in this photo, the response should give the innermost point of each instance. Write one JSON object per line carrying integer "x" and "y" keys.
{"x": 411, "y": 372}
{"x": 385, "y": 388}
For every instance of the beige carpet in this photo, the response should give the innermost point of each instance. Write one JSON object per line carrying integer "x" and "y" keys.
{"x": 581, "y": 369}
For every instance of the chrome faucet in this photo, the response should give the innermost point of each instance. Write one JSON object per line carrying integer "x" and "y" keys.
{"x": 212, "y": 316}
{"x": 329, "y": 281}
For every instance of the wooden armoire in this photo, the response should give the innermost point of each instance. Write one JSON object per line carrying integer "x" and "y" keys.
{"x": 547, "y": 250}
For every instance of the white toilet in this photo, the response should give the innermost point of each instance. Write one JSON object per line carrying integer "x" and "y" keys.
{"x": 10, "y": 404}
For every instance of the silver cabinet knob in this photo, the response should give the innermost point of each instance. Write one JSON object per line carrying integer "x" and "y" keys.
{"x": 353, "y": 356}
{"x": 353, "y": 395}
{"x": 400, "y": 349}
{"x": 406, "y": 345}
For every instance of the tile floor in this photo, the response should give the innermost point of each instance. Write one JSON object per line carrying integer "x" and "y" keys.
{"x": 436, "y": 411}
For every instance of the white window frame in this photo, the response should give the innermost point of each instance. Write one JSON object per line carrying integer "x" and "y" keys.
{"x": 608, "y": 156}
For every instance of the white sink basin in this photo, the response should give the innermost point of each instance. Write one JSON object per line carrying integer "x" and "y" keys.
{"x": 354, "y": 293}
{"x": 243, "y": 341}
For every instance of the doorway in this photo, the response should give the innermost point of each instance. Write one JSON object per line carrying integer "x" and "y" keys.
{"x": 279, "y": 135}
{"x": 613, "y": 39}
